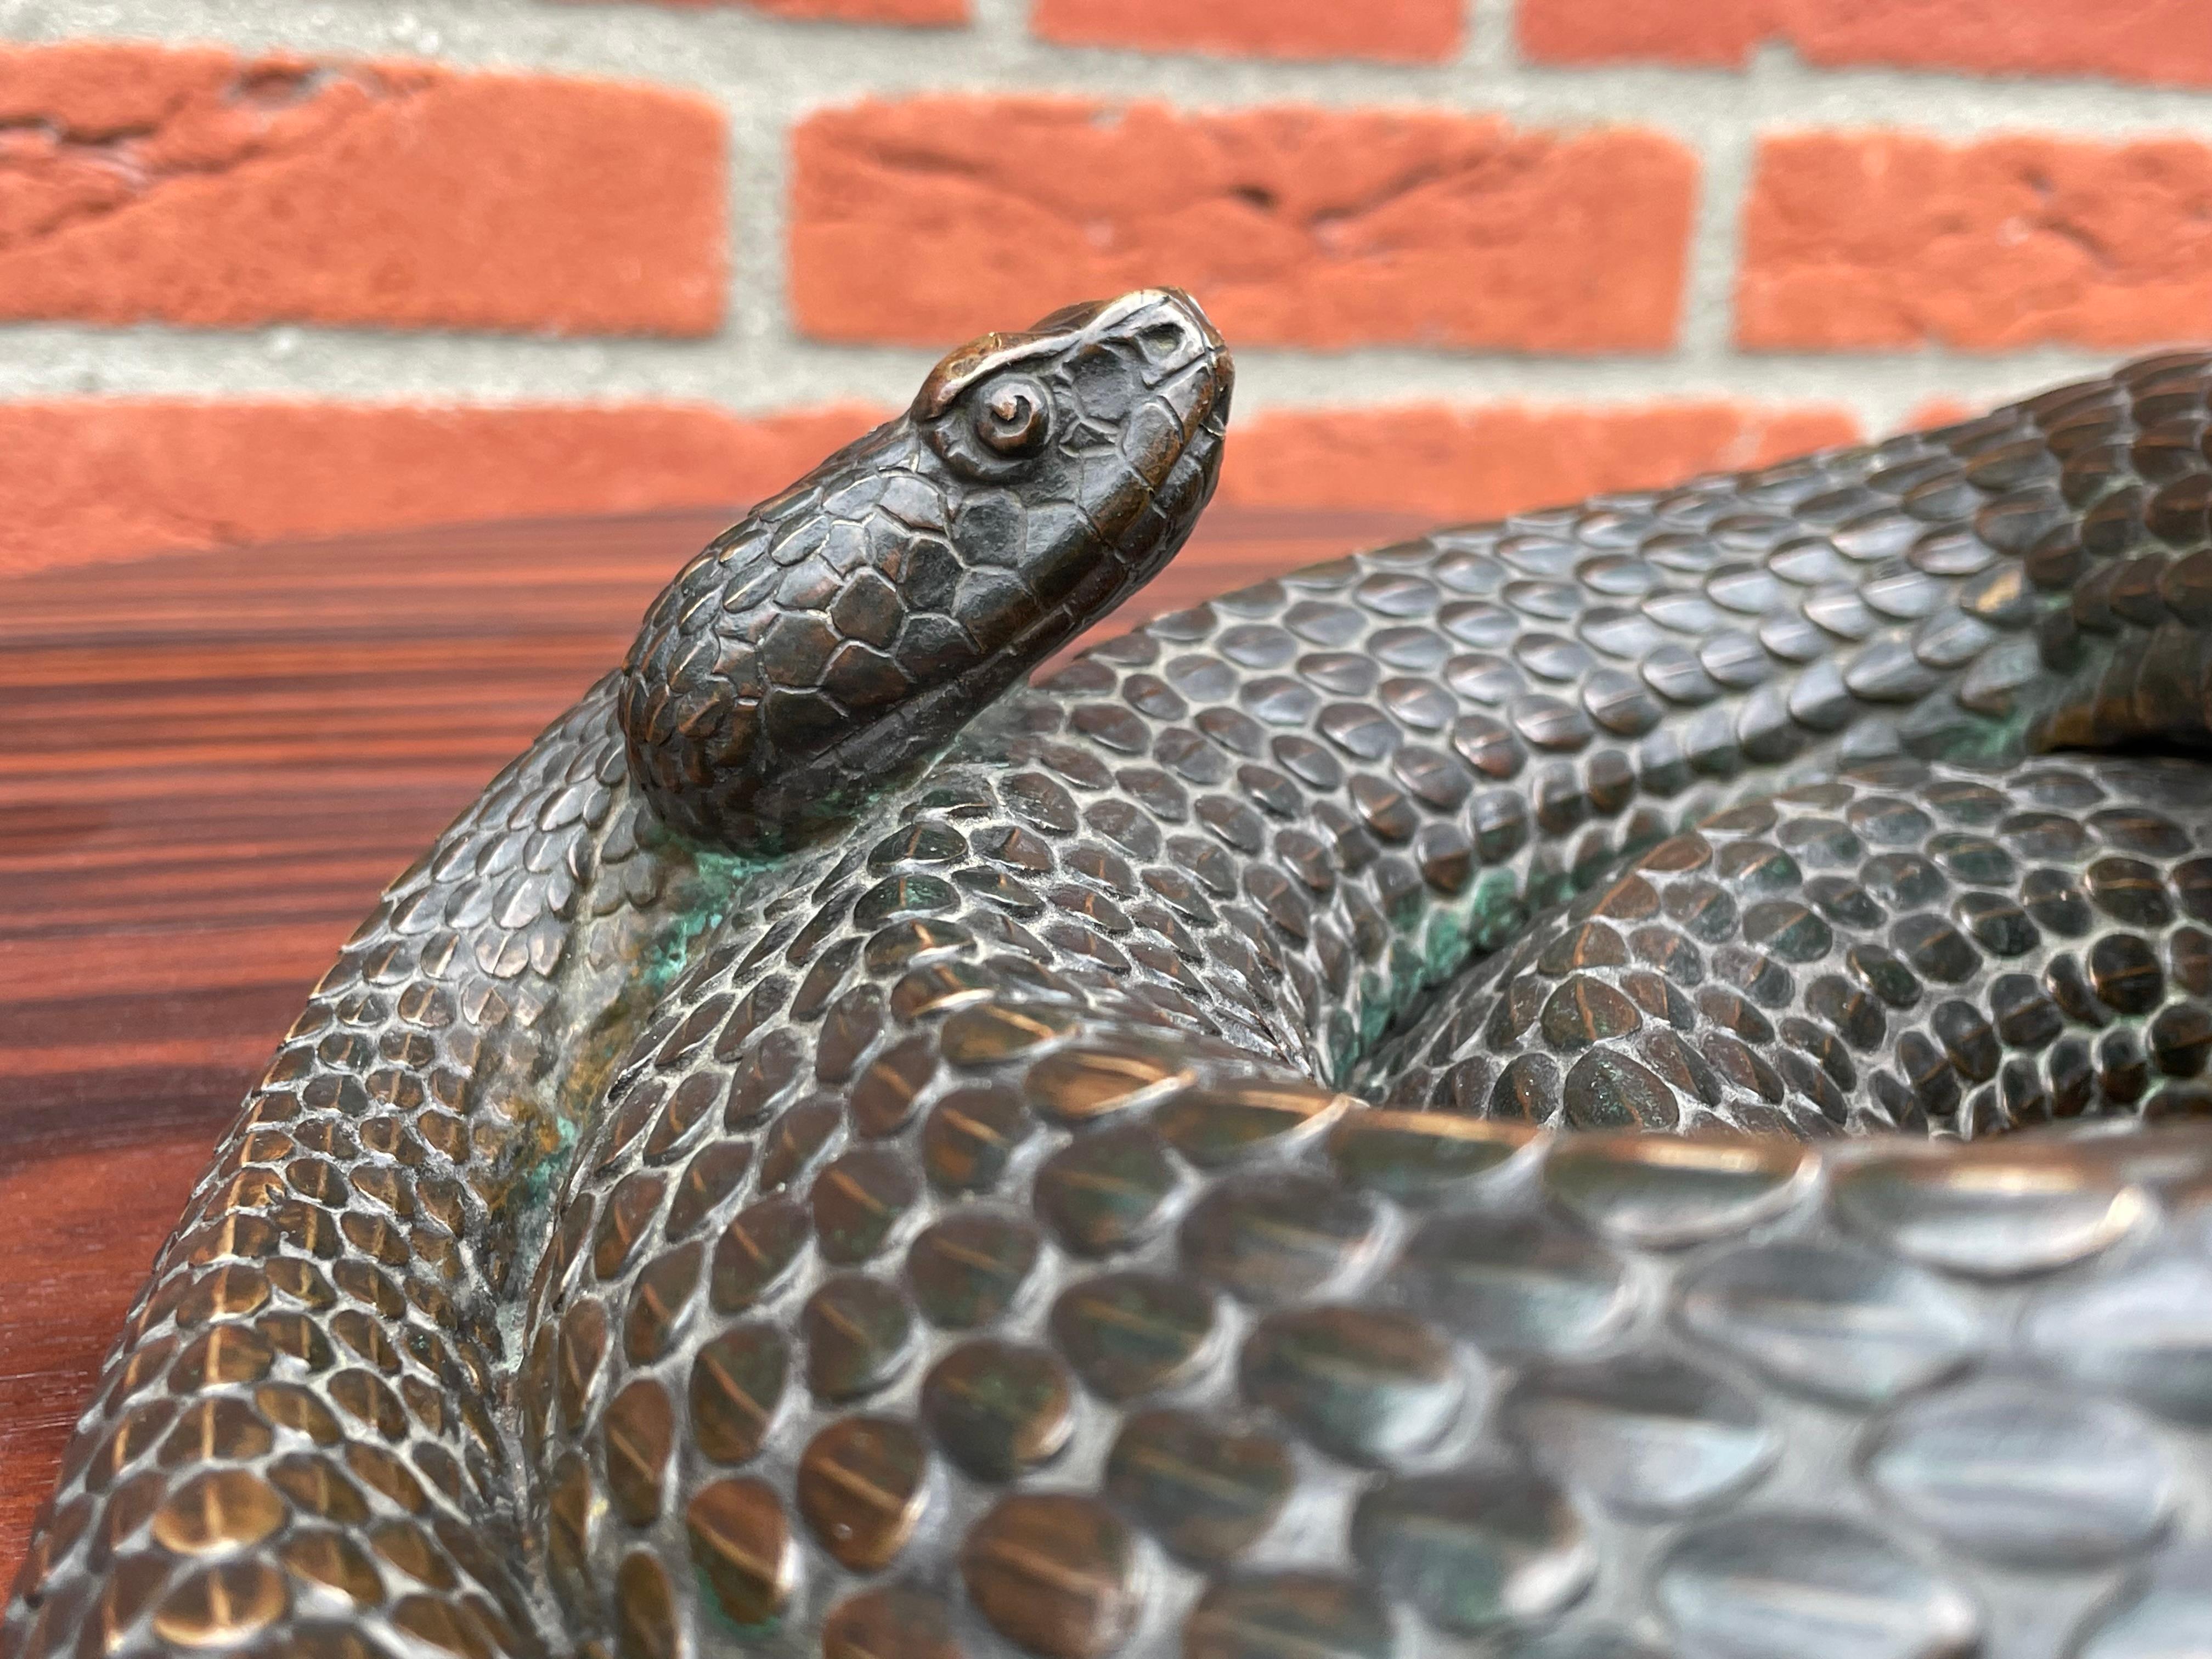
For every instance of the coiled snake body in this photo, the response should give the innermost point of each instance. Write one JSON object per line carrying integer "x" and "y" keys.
{"x": 824, "y": 1158}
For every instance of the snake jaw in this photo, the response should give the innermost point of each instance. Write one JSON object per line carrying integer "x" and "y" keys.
{"x": 846, "y": 630}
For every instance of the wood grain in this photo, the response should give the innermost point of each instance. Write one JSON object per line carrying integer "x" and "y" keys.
{"x": 209, "y": 764}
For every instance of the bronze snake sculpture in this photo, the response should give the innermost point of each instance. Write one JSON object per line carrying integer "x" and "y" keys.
{"x": 834, "y": 1155}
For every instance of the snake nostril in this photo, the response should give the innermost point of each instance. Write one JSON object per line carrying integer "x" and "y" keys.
{"x": 1166, "y": 342}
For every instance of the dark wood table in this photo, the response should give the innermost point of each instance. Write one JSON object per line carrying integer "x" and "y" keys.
{"x": 209, "y": 764}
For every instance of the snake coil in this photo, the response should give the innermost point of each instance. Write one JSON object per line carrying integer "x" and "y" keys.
{"x": 837, "y": 1153}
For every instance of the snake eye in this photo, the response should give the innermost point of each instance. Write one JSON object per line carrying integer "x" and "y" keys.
{"x": 1010, "y": 417}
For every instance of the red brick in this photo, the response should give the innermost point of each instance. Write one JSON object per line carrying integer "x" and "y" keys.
{"x": 1396, "y": 31}
{"x": 1856, "y": 240}
{"x": 1661, "y": 31}
{"x": 2166, "y": 42}
{"x": 94, "y": 479}
{"x": 1931, "y": 413}
{"x": 923, "y": 221}
{"x": 1482, "y": 462}
{"x": 191, "y": 186}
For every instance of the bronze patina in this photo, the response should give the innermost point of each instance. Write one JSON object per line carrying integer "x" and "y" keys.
{"x": 838, "y": 1153}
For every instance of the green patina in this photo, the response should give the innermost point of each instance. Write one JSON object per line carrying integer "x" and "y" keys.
{"x": 717, "y": 880}
{"x": 710, "y": 1600}
{"x": 721, "y": 876}
{"x": 1446, "y": 946}
{"x": 1497, "y": 910}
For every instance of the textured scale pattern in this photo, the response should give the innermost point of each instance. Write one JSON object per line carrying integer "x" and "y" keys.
{"x": 1902, "y": 947}
{"x": 1088, "y": 1206}
{"x": 299, "y": 1421}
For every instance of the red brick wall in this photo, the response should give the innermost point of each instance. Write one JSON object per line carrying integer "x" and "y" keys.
{"x": 931, "y": 218}
{"x": 2157, "y": 41}
{"x": 1476, "y": 255}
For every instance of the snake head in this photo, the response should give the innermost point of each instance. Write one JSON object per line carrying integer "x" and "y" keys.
{"x": 844, "y": 631}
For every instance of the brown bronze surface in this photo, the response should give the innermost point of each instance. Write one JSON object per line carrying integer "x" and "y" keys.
{"x": 968, "y": 1234}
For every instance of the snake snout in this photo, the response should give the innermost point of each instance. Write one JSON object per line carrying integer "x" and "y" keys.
{"x": 1161, "y": 374}
{"x": 1191, "y": 369}
{"x": 1189, "y": 361}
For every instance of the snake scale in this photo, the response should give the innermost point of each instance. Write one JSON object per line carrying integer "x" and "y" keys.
{"x": 837, "y": 1153}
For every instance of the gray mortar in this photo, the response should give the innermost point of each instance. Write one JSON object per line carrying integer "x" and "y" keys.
{"x": 765, "y": 75}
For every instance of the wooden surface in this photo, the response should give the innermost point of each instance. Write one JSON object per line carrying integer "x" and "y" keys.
{"x": 209, "y": 764}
